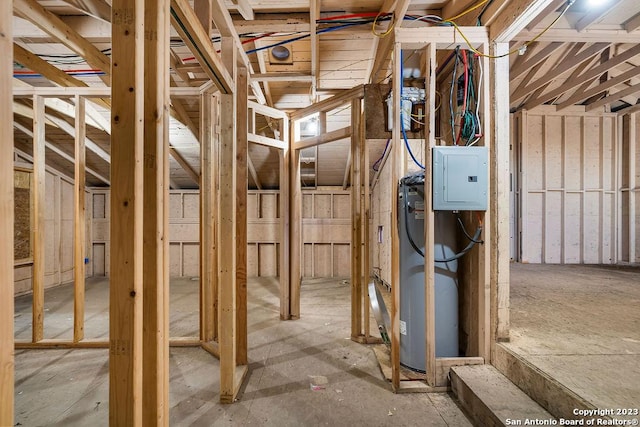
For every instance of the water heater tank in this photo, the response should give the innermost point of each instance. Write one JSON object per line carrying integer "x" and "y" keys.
{"x": 412, "y": 288}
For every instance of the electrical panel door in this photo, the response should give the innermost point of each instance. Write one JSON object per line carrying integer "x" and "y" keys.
{"x": 460, "y": 178}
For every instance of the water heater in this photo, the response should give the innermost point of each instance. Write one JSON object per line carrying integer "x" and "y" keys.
{"x": 411, "y": 221}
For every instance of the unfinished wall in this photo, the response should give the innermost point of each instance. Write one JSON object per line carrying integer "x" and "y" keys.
{"x": 629, "y": 202}
{"x": 326, "y": 233}
{"x": 58, "y": 232}
{"x": 567, "y": 173}
{"x": 380, "y": 232}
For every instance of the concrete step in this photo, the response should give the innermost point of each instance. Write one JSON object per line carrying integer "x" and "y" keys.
{"x": 490, "y": 399}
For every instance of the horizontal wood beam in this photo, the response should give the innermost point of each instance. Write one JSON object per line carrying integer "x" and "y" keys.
{"x": 90, "y": 91}
{"x": 587, "y": 36}
{"x": 329, "y": 103}
{"x": 187, "y": 25}
{"x": 325, "y": 138}
{"x": 267, "y": 111}
{"x": 51, "y": 24}
{"x": 282, "y": 77}
{"x": 442, "y": 37}
{"x": 266, "y": 141}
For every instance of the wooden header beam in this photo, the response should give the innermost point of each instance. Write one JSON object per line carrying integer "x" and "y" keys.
{"x": 329, "y": 103}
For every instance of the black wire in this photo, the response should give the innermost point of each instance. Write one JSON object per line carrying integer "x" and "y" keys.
{"x": 484, "y": 9}
{"x": 466, "y": 234}
{"x": 472, "y": 243}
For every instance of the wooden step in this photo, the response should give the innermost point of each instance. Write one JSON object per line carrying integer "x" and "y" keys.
{"x": 490, "y": 399}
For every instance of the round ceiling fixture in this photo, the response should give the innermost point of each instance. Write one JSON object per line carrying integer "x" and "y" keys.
{"x": 280, "y": 52}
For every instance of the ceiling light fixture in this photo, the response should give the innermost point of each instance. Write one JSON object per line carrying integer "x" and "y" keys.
{"x": 597, "y": 3}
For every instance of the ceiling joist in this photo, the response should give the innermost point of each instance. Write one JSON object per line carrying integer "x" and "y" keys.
{"x": 56, "y": 28}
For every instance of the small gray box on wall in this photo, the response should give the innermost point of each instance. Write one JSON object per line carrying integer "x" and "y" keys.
{"x": 460, "y": 178}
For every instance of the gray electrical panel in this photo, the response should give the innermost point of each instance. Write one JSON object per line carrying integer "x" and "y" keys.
{"x": 460, "y": 178}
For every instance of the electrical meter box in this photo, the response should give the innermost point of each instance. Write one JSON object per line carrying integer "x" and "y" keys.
{"x": 460, "y": 178}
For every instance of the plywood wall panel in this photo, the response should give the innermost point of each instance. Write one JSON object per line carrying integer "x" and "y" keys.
{"x": 322, "y": 260}
{"x": 269, "y": 205}
{"x": 175, "y": 205}
{"x": 341, "y": 260}
{"x": 175, "y": 260}
{"x": 573, "y": 228}
{"x": 252, "y": 260}
{"x": 252, "y": 206}
{"x": 322, "y": 206}
{"x": 568, "y": 180}
{"x": 307, "y": 260}
{"x": 341, "y": 206}
{"x": 191, "y": 207}
{"x": 268, "y": 260}
{"x": 191, "y": 259}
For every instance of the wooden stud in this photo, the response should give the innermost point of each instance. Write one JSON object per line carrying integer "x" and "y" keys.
{"x": 155, "y": 340}
{"x": 39, "y": 179}
{"x": 366, "y": 236}
{"x": 125, "y": 296}
{"x": 284, "y": 263}
{"x": 242, "y": 184}
{"x": 295, "y": 233}
{"x": 356, "y": 222}
{"x": 227, "y": 256}
{"x": 429, "y": 223}
{"x": 396, "y": 168}
{"x": 314, "y": 14}
{"x": 208, "y": 216}
{"x": 79, "y": 222}
{"x": 500, "y": 181}
{"x": 6, "y": 219}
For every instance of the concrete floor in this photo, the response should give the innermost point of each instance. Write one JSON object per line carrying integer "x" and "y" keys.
{"x": 581, "y": 325}
{"x": 70, "y": 388}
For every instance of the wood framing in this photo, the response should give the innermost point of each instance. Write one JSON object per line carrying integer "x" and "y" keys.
{"x": 58, "y": 29}
{"x": 396, "y": 170}
{"x": 208, "y": 219}
{"x": 155, "y": 260}
{"x": 6, "y": 218}
{"x": 38, "y": 215}
{"x": 126, "y": 233}
{"x": 501, "y": 183}
{"x": 79, "y": 222}
{"x": 227, "y": 289}
{"x": 429, "y": 223}
{"x": 186, "y": 23}
{"x": 242, "y": 184}
{"x": 356, "y": 221}
{"x": 284, "y": 266}
{"x": 295, "y": 233}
